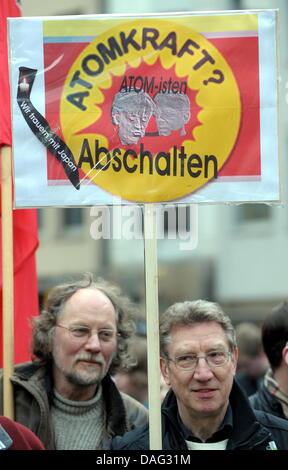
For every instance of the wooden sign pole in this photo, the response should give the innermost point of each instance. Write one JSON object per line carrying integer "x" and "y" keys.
{"x": 7, "y": 281}
{"x": 152, "y": 319}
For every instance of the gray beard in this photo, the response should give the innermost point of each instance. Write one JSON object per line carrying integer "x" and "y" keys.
{"x": 82, "y": 380}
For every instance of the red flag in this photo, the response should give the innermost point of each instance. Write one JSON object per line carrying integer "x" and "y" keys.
{"x": 8, "y": 8}
{"x": 25, "y": 238}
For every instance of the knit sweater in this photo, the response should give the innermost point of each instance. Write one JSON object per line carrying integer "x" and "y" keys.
{"x": 78, "y": 425}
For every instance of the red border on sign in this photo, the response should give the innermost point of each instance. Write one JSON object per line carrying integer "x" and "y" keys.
{"x": 241, "y": 53}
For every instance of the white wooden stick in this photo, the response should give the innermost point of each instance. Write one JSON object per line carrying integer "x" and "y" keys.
{"x": 152, "y": 319}
{"x": 7, "y": 279}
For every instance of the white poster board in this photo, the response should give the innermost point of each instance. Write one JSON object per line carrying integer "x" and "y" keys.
{"x": 149, "y": 109}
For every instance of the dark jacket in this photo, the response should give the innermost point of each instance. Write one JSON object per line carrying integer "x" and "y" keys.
{"x": 15, "y": 436}
{"x": 252, "y": 430}
{"x": 264, "y": 400}
{"x": 33, "y": 394}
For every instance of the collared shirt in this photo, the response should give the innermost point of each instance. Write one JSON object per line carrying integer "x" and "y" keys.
{"x": 222, "y": 433}
{"x": 273, "y": 387}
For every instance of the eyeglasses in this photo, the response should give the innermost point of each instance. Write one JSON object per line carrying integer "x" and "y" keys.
{"x": 190, "y": 361}
{"x": 83, "y": 333}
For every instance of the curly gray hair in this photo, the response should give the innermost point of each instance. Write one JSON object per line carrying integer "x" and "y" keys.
{"x": 44, "y": 324}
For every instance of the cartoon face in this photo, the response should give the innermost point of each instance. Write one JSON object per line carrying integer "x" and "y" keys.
{"x": 132, "y": 125}
{"x": 172, "y": 112}
{"x": 131, "y": 112}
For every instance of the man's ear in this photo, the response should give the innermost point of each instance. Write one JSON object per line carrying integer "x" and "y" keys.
{"x": 186, "y": 116}
{"x": 50, "y": 346}
{"x": 285, "y": 354}
{"x": 51, "y": 341}
{"x": 235, "y": 359}
{"x": 115, "y": 119}
{"x": 165, "y": 370}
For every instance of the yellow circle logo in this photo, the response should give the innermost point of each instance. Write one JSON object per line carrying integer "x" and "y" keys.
{"x": 151, "y": 111}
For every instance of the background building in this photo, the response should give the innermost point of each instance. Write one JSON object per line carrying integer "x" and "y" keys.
{"x": 241, "y": 256}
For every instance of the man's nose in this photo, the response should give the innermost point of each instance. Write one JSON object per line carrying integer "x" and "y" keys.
{"x": 202, "y": 370}
{"x": 137, "y": 122}
{"x": 93, "y": 343}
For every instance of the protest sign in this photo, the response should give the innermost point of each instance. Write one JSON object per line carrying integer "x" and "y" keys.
{"x": 146, "y": 109}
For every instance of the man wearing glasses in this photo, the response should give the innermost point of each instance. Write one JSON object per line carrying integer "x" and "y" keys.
{"x": 66, "y": 396}
{"x": 205, "y": 409}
